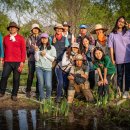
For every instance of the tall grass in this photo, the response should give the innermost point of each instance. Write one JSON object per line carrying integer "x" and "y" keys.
{"x": 50, "y": 108}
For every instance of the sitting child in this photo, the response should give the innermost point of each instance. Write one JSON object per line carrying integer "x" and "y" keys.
{"x": 78, "y": 80}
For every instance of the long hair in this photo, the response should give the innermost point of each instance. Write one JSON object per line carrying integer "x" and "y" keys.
{"x": 48, "y": 46}
{"x": 124, "y": 29}
{"x": 99, "y": 49}
{"x": 82, "y": 47}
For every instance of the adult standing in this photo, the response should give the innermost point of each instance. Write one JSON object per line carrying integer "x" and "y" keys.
{"x": 119, "y": 43}
{"x": 44, "y": 57}
{"x": 83, "y": 32}
{"x": 14, "y": 58}
{"x": 101, "y": 41}
{"x": 67, "y": 33}
{"x": 1, "y": 48}
{"x": 60, "y": 43}
{"x": 33, "y": 39}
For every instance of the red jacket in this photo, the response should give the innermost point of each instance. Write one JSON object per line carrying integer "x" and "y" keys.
{"x": 14, "y": 51}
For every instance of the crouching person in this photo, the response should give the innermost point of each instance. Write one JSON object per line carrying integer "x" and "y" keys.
{"x": 78, "y": 80}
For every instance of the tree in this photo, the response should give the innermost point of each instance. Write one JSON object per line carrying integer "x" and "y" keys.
{"x": 4, "y": 21}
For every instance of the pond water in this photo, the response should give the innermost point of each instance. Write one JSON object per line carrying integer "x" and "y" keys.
{"x": 32, "y": 120}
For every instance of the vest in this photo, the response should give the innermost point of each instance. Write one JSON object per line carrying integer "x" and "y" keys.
{"x": 60, "y": 48}
{"x": 69, "y": 37}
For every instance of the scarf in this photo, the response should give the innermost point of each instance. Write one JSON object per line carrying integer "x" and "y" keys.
{"x": 58, "y": 37}
{"x": 12, "y": 37}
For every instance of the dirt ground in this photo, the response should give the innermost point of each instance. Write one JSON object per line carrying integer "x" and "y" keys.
{"x": 7, "y": 103}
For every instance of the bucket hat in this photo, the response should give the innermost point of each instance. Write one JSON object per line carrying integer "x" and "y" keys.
{"x": 35, "y": 25}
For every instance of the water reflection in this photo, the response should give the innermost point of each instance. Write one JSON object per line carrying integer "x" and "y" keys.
{"x": 32, "y": 120}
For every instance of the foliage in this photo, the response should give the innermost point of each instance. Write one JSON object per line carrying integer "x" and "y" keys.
{"x": 4, "y": 21}
{"x": 50, "y": 108}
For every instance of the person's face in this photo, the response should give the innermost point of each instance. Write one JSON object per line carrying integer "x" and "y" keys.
{"x": 86, "y": 42}
{"x": 79, "y": 63}
{"x": 44, "y": 40}
{"x": 13, "y": 30}
{"x": 99, "y": 31}
{"x": 35, "y": 31}
{"x": 98, "y": 54}
{"x": 83, "y": 31}
{"x": 75, "y": 49}
{"x": 59, "y": 31}
{"x": 66, "y": 28}
{"x": 121, "y": 23}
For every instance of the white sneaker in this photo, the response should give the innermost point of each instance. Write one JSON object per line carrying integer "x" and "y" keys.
{"x": 125, "y": 95}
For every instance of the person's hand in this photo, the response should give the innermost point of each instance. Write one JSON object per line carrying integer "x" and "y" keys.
{"x": 20, "y": 68}
{"x": 105, "y": 81}
{"x": 113, "y": 62}
{"x": 54, "y": 39}
{"x": 128, "y": 25}
{"x": 70, "y": 77}
{"x": 100, "y": 83}
{"x": 43, "y": 53}
{"x": 35, "y": 47}
{"x": 84, "y": 76}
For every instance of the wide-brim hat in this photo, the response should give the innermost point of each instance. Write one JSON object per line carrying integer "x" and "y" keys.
{"x": 66, "y": 24}
{"x": 58, "y": 25}
{"x": 79, "y": 57}
{"x": 13, "y": 24}
{"x": 75, "y": 44}
{"x": 97, "y": 27}
{"x": 35, "y": 25}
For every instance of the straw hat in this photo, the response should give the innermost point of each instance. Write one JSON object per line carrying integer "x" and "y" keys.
{"x": 13, "y": 24}
{"x": 97, "y": 27}
{"x": 66, "y": 24}
{"x": 79, "y": 57}
{"x": 58, "y": 25}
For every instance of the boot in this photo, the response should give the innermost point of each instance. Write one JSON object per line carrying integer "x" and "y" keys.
{"x": 71, "y": 94}
{"x": 88, "y": 95}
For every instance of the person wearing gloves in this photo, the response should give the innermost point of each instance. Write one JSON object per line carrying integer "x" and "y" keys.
{"x": 14, "y": 58}
{"x": 44, "y": 56}
{"x": 78, "y": 80}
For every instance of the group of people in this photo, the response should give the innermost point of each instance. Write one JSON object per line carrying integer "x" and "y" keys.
{"x": 78, "y": 64}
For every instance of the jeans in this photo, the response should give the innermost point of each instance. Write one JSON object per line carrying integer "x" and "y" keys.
{"x": 31, "y": 70}
{"x": 44, "y": 80}
{"x": 7, "y": 69}
{"x": 62, "y": 81}
{"x": 121, "y": 69}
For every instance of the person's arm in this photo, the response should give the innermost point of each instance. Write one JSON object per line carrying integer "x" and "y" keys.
{"x": 112, "y": 55}
{"x": 37, "y": 55}
{"x": 105, "y": 81}
{"x": 23, "y": 50}
{"x": 100, "y": 76}
{"x": 65, "y": 60}
{"x": 73, "y": 39}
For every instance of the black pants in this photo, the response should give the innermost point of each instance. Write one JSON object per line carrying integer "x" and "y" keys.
{"x": 121, "y": 69}
{"x": 7, "y": 69}
{"x": 91, "y": 79}
{"x": 31, "y": 70}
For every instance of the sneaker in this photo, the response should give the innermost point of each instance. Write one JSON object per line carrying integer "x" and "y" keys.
{"x": 1, "y": 95}
{"x": 125, "y": 95}
{"x": 14, "y": 98}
